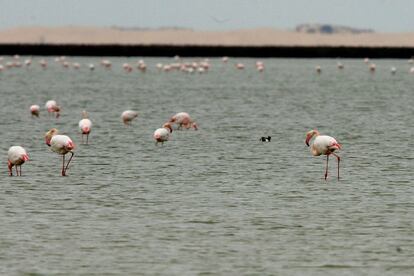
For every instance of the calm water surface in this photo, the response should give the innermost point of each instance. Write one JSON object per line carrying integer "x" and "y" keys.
{"x": 214, "y": 201}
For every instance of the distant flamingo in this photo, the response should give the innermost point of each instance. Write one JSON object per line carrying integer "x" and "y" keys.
{"x": 393, "y": 70}
{"x": 52, "y": 107}
{"x": 372, "y": 67}
{"x": 323, "y": 145}
{"x": 162, "y": 134}
{"x": 16, "y": 157}
{"x": 91, "y": 67}
{"x": 240, "y": 66}
{"x": 61, "y": 144}
{"x": 34, "y": 110}
{"x": 183, "y": 119}
{"x": 318, "y": 69}
{"x": 340, "y": 65}
{"x": 128, "y": 115}
{"x": 85, "y": 126}
{"x": 43, "y": 63}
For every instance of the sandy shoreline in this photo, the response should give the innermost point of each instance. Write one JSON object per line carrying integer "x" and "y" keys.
{"x": 252, "y": 37}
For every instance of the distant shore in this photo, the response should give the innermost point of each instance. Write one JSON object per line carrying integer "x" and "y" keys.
{"x": 205, "y": 51}
{"x": 89, "y": 41}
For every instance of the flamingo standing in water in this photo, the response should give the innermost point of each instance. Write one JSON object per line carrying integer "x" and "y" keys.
{"x": 34, "y": 110}
{"x": 183, "y": 119}
{"x": 323, "y": 145}
{"x": 16, "y": 157}
{"x": 61, "y": 144}
{"x": 85, "y": 126}
{"x": 52, "y": 107}
{"x": 162, "y": 134}
{"x": 128, "y": 115}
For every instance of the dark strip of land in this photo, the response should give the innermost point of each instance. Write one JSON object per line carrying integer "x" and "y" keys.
{"x": 205, "y": 51}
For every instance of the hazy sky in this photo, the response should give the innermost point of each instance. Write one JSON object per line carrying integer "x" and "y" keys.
{"x": 381, "y": 15}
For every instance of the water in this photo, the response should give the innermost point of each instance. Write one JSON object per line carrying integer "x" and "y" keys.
{"x": 213, "y": 201}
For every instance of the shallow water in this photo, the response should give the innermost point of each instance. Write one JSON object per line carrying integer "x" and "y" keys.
{"x": 213, "y": 201}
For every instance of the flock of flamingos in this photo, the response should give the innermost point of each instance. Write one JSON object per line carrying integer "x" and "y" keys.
{"x": 62, "y": 144}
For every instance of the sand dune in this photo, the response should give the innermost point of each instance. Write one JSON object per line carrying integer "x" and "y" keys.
{"x": 251, "y": 37}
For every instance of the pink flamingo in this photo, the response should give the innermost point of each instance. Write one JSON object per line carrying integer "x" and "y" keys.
{"x": 183, "y": 119}
{"x": 61, "y": 144}
{"x": 52, "y": 107}
{"x": 162, "y": 134}
{"x": 16, "y": 157}
{"x": 323, "y": 145}
{"x": 85, "y": 126}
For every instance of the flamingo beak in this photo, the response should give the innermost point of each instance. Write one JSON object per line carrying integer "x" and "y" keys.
{"x": 25, "y": 157}
{"x": 338, "y": 145}
{"x": 308, "y": 137}
{"x": 47, "y": 141}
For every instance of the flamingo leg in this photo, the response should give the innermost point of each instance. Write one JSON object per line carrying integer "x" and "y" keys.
{"x": 70, "y": 159}
{"x": 20, "y": 166}
{"x": 339, "y": 160}
{"x": 87, "y": 138}
{"x": 63, "y": 165}
{"x": 326, "y": 170}
{"x": 82, "y": 138}
{"x": 10, "y": 171}
{"x": 17, "y": 171}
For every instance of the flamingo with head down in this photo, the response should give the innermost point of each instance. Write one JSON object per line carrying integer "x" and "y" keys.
{"x": 128, "y": 115}
{"x": 183, "y": 119}
{"x": 162, "y": 134}
{"x": 61, "y": 144}
{"x": 17, "y": 155}
{"x": 34, "y": 110}
{"x": 323, "y": 145}
{"x": 52, "y": 107}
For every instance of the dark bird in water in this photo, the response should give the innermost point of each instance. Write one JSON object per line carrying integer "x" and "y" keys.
{"x": 265, "y": 139}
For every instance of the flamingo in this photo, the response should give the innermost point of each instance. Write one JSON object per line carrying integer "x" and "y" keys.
{"x": 16, "y": 157}
{"x": 61, "y": 144}
{"x": 85, "y": 126}
{"x": 340, "y": 65}
{"x": 128, "y": 115}
{"x": 52, "y": 107}
{"x": 240, "y": 66}
{"x": 323, "y": 145}
{"x": 34, "y": 109}
{"x": 91, "y": 67}
{"x": 318, "y": 69}
{"x": 183, "y": 119}
{"x": 372, "y": 67}
{"x": 393, "y": 70}
{"x": 43, "y": 63}
{"x": 162, "y": 134}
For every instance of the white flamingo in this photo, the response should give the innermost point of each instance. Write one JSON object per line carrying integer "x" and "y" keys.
{"x": 162, "y": 134}
{"x": 85, "y": 126}
{"x": 323, "y": 145}
{"x": 128, "y": 115}
{"x": 183, "y": 119}
{"x": 17, "y": 155}
{"x": 61, "y": 144}
{"x": 34, "y": 110}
